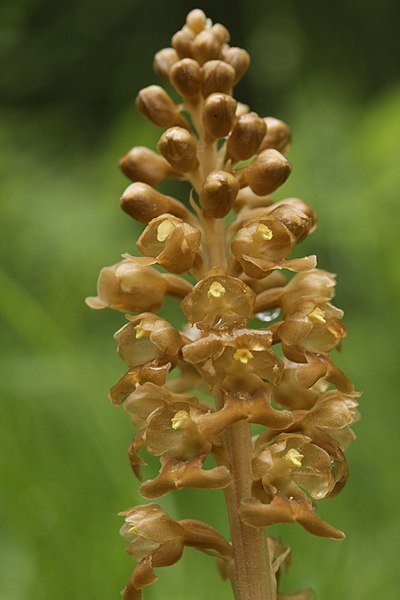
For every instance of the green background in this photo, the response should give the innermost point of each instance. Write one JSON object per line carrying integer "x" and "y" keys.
{"x": 68, "y": 75}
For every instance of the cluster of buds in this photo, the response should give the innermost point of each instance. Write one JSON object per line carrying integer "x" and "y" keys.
{"x": 256, "y": 345}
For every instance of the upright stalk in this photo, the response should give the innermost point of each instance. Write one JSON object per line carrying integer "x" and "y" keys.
{"x": 253, "y": 578}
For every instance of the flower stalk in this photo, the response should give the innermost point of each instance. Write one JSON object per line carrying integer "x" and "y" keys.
{"x": 235, "y": 244}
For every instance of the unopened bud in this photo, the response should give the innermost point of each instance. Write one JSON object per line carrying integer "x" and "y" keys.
{"x": 238, "y": 58}
{"x": 278, "y": 135}
{"x": 196, "y": 20}
{"x": 220, "y": 33}
{"x": 182, "y": 41}
{"x": 163, "y": 61}
{"x": 186, "y": 77}
{"x": 219, "y": 193}
{"x": 246, "y": 137}
{"x": 206, "y": 47}
{"x": 269, "y": 171}
{"x": 179, "y": 148}
{"x": 218, "y": 77}
{"x": 219, "y": 115}
{"x": 155, "y": 104}
{"x": 142, "y": 164}
{"x": 144, "y": 203}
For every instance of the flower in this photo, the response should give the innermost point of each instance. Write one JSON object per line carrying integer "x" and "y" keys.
{"x": 219, "y": 301}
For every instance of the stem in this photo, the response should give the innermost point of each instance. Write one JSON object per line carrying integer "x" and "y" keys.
{"x": 253, "y": 578}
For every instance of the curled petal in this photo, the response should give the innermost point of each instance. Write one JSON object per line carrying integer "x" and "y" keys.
{"x": 177, "y": 474}
{"x": 255, "y": 408}
{"x": 283, "y": 510}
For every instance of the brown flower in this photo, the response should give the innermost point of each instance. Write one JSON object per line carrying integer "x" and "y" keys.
{"x": 129, "y": 286}
{"x": 280, "y": 468}
{"x": 313, "y": 324}
{"x": 148, "y": 339}
{"x": 173, "y": 243}
{"x": 219, "y": 301}
{"x": 263, "y": 245}
{"x": 237, "y": 353}
{"x": 156, "y": 540}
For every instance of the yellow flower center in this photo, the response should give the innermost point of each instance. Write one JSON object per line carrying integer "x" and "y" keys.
{"x": 164, "y": 230}
{"x": 180, "y": 419}
{"x": 293, "y": 456}
{"x": 317, "y": 315}
{"x": 216, "y": 290}
{"x": 140, "y": 332}
{"x": 264, "y": 232}
{"x": 132, "y": 529}
{"x": 243, "y": 355}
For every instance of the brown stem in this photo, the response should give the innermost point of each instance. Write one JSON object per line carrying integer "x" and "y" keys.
{"x": 253, "y": 578}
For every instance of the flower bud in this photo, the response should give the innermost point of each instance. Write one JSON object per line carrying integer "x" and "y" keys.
{"x": 129, "y": 286}
{"x": 172, "y": 242}
{"x": 155, "y": 104}
{"x": 186, "y": 77}
{"x": 220, "y": 33}
{"x": 239, "y": 59}
{"x": 182, "y": 41}
{"x": 144, "y": 203}
{"x": 206, "y": 47}
{"x": 219, "y": 115}
{"x": 218, "y": 193}
{"x": 218, "y": 77}
{"x": 196, "y": 20}
{"x": 295, "y": 219}
{"x": 269, "y": 171}
{"x": 163, "y": 61}
{"x": 142, "y": 164}
{"x": 179, "y": 148}
{"x": 246, "y": 137}
{"x": 278, "y": 135}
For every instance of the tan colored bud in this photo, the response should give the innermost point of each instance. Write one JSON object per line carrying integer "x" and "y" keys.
{"x": 142, "y": 164}
{"x": 238, "y": 58}
{"x": 179, "y": 148}
{"x": 163, "y": 61}
{"x": 218, "y": 77}
{"x": 220, "y": 33}
{"x": 172, "y": 242}
{"x": 129, "y": 286}
{"x": 206, "y": 47}
{"x": 269, "y": 171}
{"x": 278, "y": 135}
{"x": 186, "y": 77}
{"x": 242, "y": 109}
{"x": 196, "y": 20}
{"x": 218, "y": 193}
{"x": 246, "y": 137}
{"x": 144, "y": 203}
{"x": 182, "y": 41}
{"x": 294, "y": 217}
{"x": 219, "y": 115}
{"x": 155, "y": 104}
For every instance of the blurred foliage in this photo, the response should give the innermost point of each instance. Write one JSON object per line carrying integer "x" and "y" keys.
{"x": 69, "y": 73}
